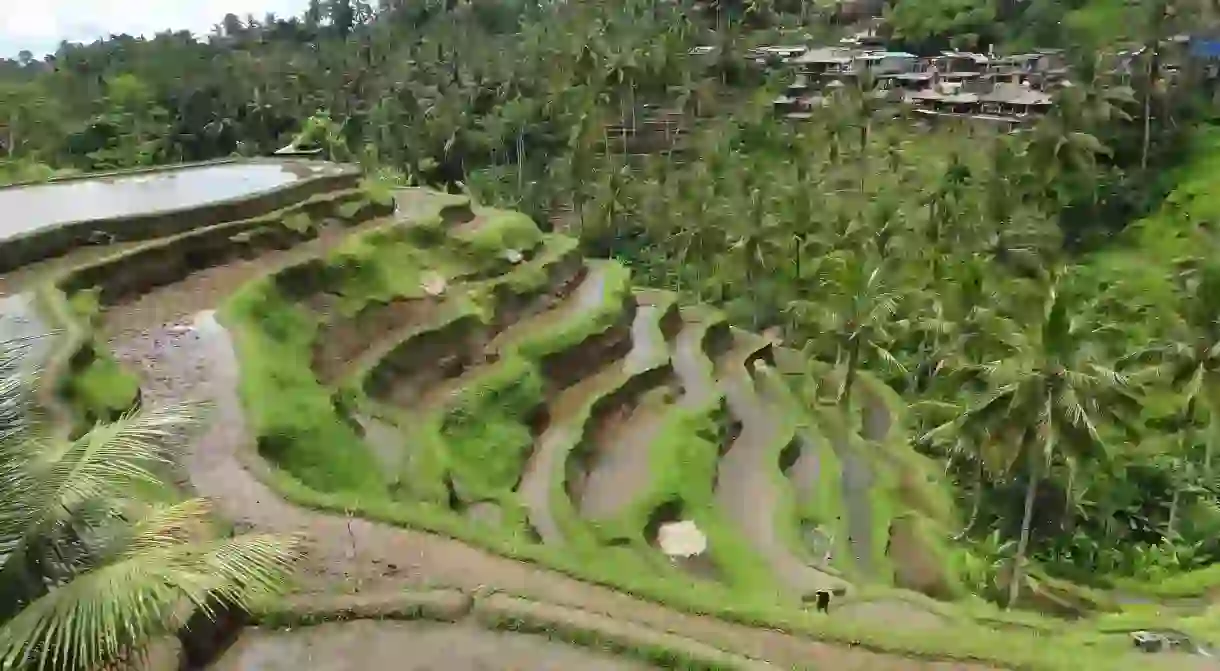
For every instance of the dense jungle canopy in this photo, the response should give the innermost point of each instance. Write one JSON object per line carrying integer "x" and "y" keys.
{"x": 1047, "y": 303}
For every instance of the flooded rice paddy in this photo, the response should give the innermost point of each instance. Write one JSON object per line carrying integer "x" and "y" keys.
{"x": 97, "y": 198}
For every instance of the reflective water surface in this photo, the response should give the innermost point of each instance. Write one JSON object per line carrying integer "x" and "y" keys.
{"x": 29, "y": 208}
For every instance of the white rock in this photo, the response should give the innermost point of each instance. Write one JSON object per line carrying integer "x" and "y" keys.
{"x": 434, "y": 284}
{"x": 681, "y": 539}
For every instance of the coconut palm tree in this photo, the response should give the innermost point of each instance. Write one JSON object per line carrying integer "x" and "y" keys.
{"x": 96, "y": 559}
{"x": 1046, "y": 396}
{"x": 856, "y": 306}
{"x": 1189, "y": 356}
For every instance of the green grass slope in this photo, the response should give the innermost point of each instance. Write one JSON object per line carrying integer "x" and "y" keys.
{"x": 467, "y": 440}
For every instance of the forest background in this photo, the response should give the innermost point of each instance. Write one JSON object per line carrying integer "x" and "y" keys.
{"x": 1047, "y": 303}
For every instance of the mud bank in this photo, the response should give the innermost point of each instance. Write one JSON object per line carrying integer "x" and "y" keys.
{"x": 408, "y": 646}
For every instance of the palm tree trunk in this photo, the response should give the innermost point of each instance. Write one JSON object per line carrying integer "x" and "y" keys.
{"x": 1027, "y": 517}
{"x": 978, "y": 502}
{"x": 1147, "y": 112}
{"x": 1208, "y": 444}
{"x": 1171, "y": 526}
{"x": 849, "y": 381}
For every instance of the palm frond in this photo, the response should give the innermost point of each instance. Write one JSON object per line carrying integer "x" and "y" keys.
{"x": 107, "y": 460}
{"x": 105, "y": 614}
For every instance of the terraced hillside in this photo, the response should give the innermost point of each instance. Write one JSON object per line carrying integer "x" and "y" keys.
{"x": 443, "y": 396}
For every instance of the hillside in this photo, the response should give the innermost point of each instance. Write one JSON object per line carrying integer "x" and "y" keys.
{"x": 392, "y": 370}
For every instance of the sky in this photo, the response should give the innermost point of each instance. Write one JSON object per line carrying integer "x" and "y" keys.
{"x": 40, "y": 25}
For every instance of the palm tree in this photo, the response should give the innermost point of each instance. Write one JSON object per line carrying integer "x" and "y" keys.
{"x": 1046, "y": 397}
{"x": 856, "y": 307}
{"x": 959, "y": 322}
{"x": 95, "y": 558}
{"x": 1189, "y": 357}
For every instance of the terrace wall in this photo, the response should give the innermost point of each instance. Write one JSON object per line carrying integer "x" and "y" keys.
{"x": 60, "y": 239}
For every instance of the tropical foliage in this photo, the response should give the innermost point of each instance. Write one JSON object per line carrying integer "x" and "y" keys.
{"x": 995, "y": 280}
{"x": 97, "y": 556}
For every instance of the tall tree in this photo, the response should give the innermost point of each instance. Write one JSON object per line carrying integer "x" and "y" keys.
{"x": 1047, "y": 396}
{"x": 342, "y": 17}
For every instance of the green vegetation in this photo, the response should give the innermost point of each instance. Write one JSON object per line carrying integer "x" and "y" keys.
{"x": 1030, "y": 314}
{"x": 94, "y": 388}
{"x": 74, "y": 605}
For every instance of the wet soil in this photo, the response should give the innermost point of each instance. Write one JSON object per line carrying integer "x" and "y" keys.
{"x": 620, "y": 435}
{"x": 891, "y": 613}
{"x": 342, "y": 342}
{"x": 693, "y": 366}
{"x": 360, "y": 555}
{"x": 553, "y": 445}
{"x": 26, "y": 277}
{"x": 205, "y": 289}
{"x": 746, "y": 486}
{"x": 408, "y": 646}
{"x": 620, "y": 464}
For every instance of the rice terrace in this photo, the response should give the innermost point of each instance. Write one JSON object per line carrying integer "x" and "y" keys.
{"x": 838, "y": 336}
{"x": 472, "y": 424}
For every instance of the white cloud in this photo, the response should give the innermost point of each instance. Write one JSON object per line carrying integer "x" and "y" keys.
{"x": 39, "y": 25}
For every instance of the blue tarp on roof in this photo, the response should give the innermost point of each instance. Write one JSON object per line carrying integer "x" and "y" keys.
{"x": 1205, "y": 48}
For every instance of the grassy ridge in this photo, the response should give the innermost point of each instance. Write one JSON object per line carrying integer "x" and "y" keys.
{"x": 276, "y": 368}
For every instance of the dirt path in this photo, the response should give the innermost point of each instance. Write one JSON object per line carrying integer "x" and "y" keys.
{"x": 746, "y": 487}
{"x": 362, "y": 555}
{"x": 408, "y": 646}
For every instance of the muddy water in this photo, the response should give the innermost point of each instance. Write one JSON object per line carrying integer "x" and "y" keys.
{"x": 621, "y": 463}
{"x": 97, "y": 198}
{"x": 693, "y": 367}
{"x": 747, "y": 488}
{"x": 552, "y": 447}
{"x": 857, "y": 488}
{"x": 647, "y": 342}
{"x": 20, "y": 325}
{"x": 568, "y": 419}
{"x": 805, "y": 472}
{"x": 875, "y": 414}
{"x": 407, "y": 646}
{"x": 621, "y": 467}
